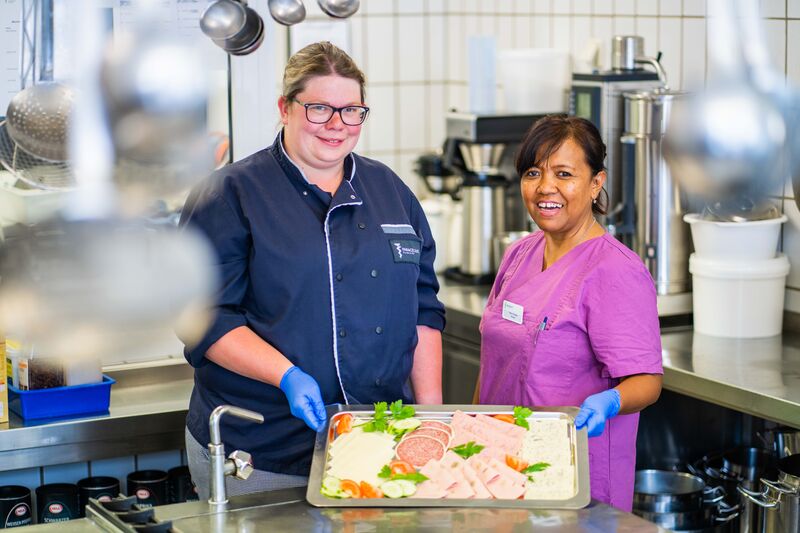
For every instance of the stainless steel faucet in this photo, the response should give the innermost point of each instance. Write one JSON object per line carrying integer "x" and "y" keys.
{"x": 238, "y": 464}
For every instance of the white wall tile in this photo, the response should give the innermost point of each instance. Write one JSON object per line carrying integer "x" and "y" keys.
{"x": 669, "y": 42}
{"x": 671, "y": 8}
{"x": 374, "y": 7}
{"x": 409, "y": 6}
{"x": 159, "y": 460}
{"x": 498, "y": 6}
{"x": 562, "y": 7}
{"x": 436, "y": 6}
{"x": 313, "y": 10}
{"x": 66, "y": 473}
{"x": 773, "y": 8}
{"x": 472, "y": 27}
{"x": 437, "y": 108}
{"x": 542, "y": 32}
{"x": 382, "y": 121}
{"x": 456, "y": 49}
{"x": 624, "y": 26}
{"x": 469, "y": 6}
{"x": 581, "y": 33}
{"x": 562, "y": 32}
{"x": 624, "y": 7}
{"x": 506, "y": 31}
{"x": 791, "y": 243}
{"x": 457, "y": 97}
{"x": 524, "y": 7}
{"x": 380, "y": 49}
{"x": 357, "y": 40}
{"x": 412, "y": 115}
{"x": 647, "y": 7}
{"x": 387, "y": 158}
{"x": 793, "y": 61}
{"x": 603, "y": 31}
{"x": 437, "y": 47}
{"x": 793, "y": 8}
{"x": 543, "y": 6}
{"x": 412, "y": 48}
{"x": 523, "y": 31}
{"x": 647, "y": 27}
{"x": 694, "y": 47}
{"x": 775, "y": 33}
{"x": 582, "y": 7}
{"x": 694, "y": 8}
{"x": 603, "y": 7}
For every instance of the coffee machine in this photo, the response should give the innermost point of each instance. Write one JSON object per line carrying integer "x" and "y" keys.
{"x": 597, "y": 97}
{"x": 481, "y": 148}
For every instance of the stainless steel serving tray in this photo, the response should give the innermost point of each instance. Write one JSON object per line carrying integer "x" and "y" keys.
{"x": 578, "y": 442}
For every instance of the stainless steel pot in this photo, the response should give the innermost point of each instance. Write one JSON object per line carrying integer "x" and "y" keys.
{"x": 698, "y": 519}
{"x": 500, "y": 244}
{"x": 780, "y": 498}
{"x": 664, "y": 491}
{"x": 784, "y": 441}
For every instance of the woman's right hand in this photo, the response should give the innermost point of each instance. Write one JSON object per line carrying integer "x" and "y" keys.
{"x": 305, "y": 399}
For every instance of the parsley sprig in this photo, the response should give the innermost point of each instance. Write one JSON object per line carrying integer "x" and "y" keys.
{"x": 469, "y": 449}
{"x": 416, "y": 477}
{"x": 536, "y": 467}
{"x": 521, "y": 415}
{"x": 380, "y": 419}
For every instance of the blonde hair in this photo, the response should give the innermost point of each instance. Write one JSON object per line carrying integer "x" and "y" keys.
{"x": 319, "y": 59}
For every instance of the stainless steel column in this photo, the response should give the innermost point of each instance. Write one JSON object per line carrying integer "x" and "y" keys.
{"x": 661, "y": 237}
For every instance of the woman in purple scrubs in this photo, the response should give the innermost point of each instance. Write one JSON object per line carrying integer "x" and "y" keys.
{"x": 572, "y": 318}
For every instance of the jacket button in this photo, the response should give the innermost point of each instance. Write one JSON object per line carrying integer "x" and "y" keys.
{"x": 374, "y": 273}
{"x": 361, "y": 225}
{"x": 305, "y": 193}
{"x": 379, "y": 330}
{"x": 378, "y": 382}
{"x": 342, "y": 333}
{"x": 339, "y": 277}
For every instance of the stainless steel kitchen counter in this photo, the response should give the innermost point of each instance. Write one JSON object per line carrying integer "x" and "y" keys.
{"x": 147, "y": 413}
{"x": 760, "y": 377}
{"x": 287, "y": 510}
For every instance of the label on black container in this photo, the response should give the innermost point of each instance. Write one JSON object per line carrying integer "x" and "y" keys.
{"x": 55, "y": 512}
{"x": 19, "y": 515}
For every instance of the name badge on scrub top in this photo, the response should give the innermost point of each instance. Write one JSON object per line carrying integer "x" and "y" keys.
{"x": 512, "y": 312}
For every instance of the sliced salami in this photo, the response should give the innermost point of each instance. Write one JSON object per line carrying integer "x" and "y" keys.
{"x": 419, "y": 450}
{"x": 438, "y": 434}
{"x": 438, "y": 425}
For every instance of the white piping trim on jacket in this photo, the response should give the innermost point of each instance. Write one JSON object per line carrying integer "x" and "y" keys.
{"x": 333, "y": 300}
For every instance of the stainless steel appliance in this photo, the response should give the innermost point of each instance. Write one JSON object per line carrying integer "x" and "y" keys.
{"x": 597, "y": 97}
{"x": 481, "y": 148}
{"x": 659, "y": 235}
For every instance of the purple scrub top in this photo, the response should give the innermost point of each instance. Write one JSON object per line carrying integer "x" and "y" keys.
{"x": 599, "y": 302}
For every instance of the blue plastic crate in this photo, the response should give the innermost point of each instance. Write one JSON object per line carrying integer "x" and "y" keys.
{"x": 59, "y": 402}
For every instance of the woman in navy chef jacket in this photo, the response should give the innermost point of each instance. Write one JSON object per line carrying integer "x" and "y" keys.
{"x": 328, "y": 290}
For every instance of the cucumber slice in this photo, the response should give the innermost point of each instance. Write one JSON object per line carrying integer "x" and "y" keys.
{"x": 409, "y": 487}
{"x": 392, "y": 489}
{"x": 407, "y": 424}
{"x": 331, "y": 484}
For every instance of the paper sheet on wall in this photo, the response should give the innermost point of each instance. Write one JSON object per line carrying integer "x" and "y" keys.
{"x": 10, "y": 16}
{"x": 312, "y": 31}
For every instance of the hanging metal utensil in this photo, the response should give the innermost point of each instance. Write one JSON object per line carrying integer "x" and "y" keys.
{"x": 37, "y": 120}
{"x": 339, "y": 8}
{"x": 287, "y": 12}
{"x": 739, "y": 135}
{"x": 233, "y": 26}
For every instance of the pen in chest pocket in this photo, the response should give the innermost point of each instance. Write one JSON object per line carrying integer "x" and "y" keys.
{"x": 539, "y": 331}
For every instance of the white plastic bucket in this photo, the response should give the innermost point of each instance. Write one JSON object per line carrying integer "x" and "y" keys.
{"x": 757, "y": 239}
{"x": 535, "y": 80}
{"x": 742, "y": 299}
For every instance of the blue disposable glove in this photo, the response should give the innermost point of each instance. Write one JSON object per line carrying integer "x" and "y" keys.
{"x": 304, "y": 397}
{"x": 596, "y": 409}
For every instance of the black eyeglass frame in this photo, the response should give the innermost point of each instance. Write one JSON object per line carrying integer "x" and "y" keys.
{"x": 334, "y": 110}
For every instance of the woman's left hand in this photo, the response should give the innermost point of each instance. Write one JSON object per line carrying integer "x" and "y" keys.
{"x": 596, "y": 409}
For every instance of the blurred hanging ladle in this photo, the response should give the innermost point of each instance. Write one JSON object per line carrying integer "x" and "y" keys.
{"x": 339, "y": 8}
{"x": 287, "y": 12}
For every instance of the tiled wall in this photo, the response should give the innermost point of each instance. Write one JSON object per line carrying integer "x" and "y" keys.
{"x": 413, "y": 53}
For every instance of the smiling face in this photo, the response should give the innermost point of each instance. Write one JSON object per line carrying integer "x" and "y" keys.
{"x": 558, "y": 192}
{"x": 320, "y": 147}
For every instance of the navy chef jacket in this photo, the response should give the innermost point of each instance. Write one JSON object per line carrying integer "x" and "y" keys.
{"x": 337, "y": 284}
